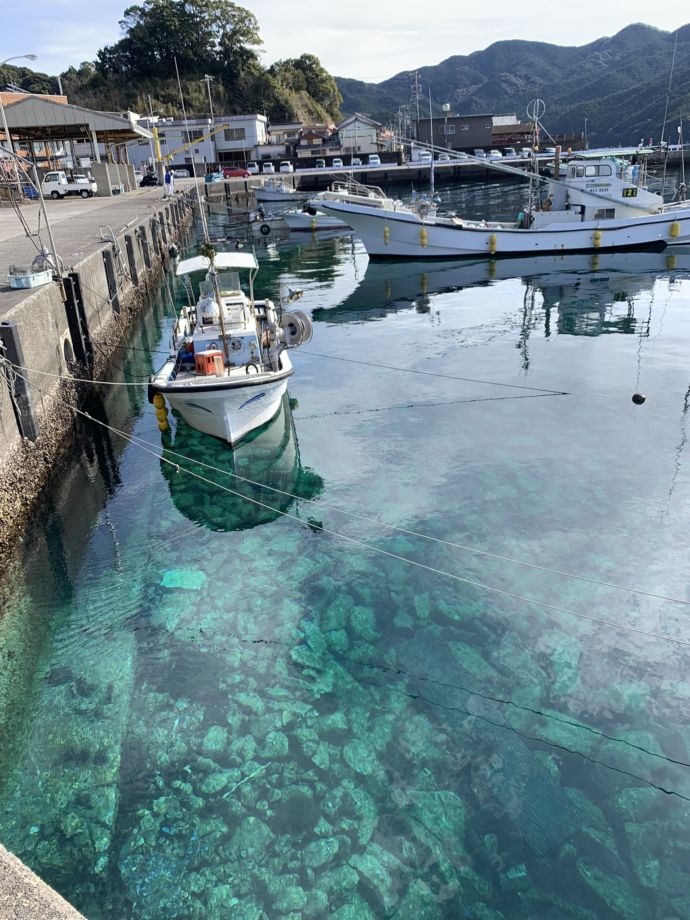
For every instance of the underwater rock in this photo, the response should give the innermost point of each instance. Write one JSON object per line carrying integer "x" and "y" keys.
{"x": 613, "y": 890}
{"x": 363, "y": 623}
{"x": 511, "y": 774}
{"x": 382, "y": 873}
{"x": 419, "y": 903}
{"x": 360, "y": 758}
{"x": 338, "y": 881}
{"x": 646, "y": 843}
{"x": 213, "y": 783}
{"x": 215, "y": 740}
{"x": 277, "y": 745}
{"x": 354, "y": 909}
{"x": 291, "y": 898}
{"x": 319, "y": 852}
{"x": 442, "y": 814}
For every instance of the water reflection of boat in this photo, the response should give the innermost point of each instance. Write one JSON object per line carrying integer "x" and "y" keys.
{"x": 269, "y": 455}
{"x": 567, "y": 282}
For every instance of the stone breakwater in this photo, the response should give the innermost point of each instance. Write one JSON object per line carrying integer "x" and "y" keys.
{"x": 72, "y": 328}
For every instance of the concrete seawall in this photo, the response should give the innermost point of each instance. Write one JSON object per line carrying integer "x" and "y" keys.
{"x": 114, "y": 253}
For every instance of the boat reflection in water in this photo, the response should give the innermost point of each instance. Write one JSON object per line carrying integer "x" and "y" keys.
{"x": 269, "y": 455}
{"x": 593, "y": 294}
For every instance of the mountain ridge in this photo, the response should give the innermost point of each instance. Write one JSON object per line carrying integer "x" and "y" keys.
{"x": 617, "y": 83}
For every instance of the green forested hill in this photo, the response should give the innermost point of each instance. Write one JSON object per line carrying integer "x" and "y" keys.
{"x": 618, "y": 84}
{"x": 198, "y": 37}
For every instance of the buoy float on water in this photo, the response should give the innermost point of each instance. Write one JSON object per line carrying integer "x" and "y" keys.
{"x": 161, "y": 412}
{"x": 639, "y": 399}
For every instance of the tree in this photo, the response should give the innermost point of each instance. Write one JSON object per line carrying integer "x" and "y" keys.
{"x": 306, "y": 74}
{"x": 204, "y": 36}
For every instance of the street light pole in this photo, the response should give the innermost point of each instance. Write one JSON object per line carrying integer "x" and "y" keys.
{"x": 209, "y": 79}
{"x": 586, "y": 141}
{"x": 5, "y": 126}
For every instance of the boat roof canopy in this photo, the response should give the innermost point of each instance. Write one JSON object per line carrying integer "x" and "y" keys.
{"x": 604, "y": 152}
{"x": 235, "y": 261}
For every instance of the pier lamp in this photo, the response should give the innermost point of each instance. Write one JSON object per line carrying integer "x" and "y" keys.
{"x": 446, "y": 111}
{"x": 5, "y": 128}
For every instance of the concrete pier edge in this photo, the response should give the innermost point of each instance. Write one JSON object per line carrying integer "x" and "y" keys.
{"x": 114, "y": 296}
{"x": 24, "y": 896}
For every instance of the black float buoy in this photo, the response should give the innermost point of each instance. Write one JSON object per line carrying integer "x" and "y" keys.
{"x": 638, "y": 399}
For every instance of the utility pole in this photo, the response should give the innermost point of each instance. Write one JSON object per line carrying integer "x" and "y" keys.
{"x": 209, "y": 79}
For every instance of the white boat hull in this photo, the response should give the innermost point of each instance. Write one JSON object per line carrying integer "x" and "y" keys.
{"x": 225, "y": 410}
{"x": 265, "y": 195}
{"x": 403, "y": 234}
{"x": 312, "y": 223}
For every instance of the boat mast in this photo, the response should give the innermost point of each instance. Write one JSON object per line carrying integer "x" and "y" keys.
{"x": 431, "y": 138}
{"x": 207, "y": 249}
{"x": 535, "y": 110}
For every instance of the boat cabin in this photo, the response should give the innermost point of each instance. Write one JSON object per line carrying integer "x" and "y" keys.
{"x": 593, "y": 190}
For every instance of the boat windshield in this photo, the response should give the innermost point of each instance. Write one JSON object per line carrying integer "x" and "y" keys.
{"x": 229, "y": 282}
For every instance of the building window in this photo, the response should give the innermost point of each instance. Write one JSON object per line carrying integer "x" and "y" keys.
{"x": 604, "y": 213}
{"x": 464, "y": 127}
{"x": 193, "y": 135}
{"x": 449, "y": 129}
{"x": 235, "y": 134}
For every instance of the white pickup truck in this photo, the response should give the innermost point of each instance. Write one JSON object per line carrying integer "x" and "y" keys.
{"x": 58, "y": 184}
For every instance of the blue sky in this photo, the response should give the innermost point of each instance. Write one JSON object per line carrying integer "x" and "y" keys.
{"x": 352, "y": 38}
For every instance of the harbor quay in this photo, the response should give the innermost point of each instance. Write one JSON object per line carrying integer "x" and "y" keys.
{"x": 112, "y": 253}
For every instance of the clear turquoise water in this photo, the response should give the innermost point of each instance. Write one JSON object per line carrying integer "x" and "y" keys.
{"x": 214, "y": 708}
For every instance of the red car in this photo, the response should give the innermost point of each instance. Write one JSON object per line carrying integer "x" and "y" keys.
{"x": 235, "y": 172}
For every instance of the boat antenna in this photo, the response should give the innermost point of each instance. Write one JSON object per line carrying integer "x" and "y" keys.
{"x": 535, "y": 110}
{"x": 670, "y": 81}
{"x": 431, "y": 138}
{"x": 207, "y": 249}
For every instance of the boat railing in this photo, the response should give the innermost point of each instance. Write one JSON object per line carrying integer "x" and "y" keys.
{"x": 353, "y": 187}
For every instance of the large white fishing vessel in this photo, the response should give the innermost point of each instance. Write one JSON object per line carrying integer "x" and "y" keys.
{"x": 599, "y": 205}
{"x": 229, "y": 363}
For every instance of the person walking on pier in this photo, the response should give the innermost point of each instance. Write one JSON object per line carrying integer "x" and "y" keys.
{"x": 169, "y": 180}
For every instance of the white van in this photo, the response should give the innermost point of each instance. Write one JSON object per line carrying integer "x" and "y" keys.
{"x": 374, "y": 160}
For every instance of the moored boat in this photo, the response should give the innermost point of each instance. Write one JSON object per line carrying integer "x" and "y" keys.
{"x": 275, "y": 190}
{"x": 229, "y": 362}
{"x": 600, "y": 205}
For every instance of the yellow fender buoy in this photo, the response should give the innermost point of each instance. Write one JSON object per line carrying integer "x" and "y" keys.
{"x": 674, "y": 230}
{"x": 596, "y": 238}
{"x": 423, "y": 237}
{"x": 492, "y": 243}
{"x": 161, "y": 412}
{"x": 159, "y": 401}
{"x": 386, "y": 235}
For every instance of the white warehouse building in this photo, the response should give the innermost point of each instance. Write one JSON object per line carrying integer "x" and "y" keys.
{"x": 228, "y": 140}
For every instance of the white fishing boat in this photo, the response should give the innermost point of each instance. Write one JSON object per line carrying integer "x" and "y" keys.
{"x": 600, "y": 205}
{"x": 278, "y": 190}
{"x": 312, "y": 221}
{"x": 229, "y": 362}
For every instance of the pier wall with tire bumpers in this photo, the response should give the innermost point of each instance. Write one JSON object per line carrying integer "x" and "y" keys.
{"x": 114, "y": 255}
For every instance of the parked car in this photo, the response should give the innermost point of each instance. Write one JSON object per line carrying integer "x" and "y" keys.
{"x": 423, "y": 157}
{"x": 356, "y": 161}
{"x": 495, "y": 155}
{"x": 461, "y": 155}
{"x": 525, "y": 151}
{"x": 373, "y": 159}
{"x": 149, "y": 180}
{"x": 443, "y": 158}
{"x": 479, "y": 153}
{"x": 286, "y": 167}
{"x": 268, "y": 169}
{"x": 337, "y": 163}
{"x": 509, "y": 153}
{"x": 235, "y": 172}
{"x": 57, "y": 184}
{"x": 550, "y": 151}
{"x": 181, "y": 173}
{"x": 320, "y": 164}
{"x": 253, "y": 168}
